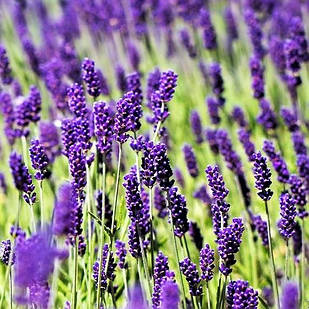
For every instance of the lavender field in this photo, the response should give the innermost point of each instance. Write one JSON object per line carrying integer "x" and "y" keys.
{"x": 154, "y": 154}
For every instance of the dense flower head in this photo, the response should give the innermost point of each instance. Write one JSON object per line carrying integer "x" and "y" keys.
{"x": 290, "y": 119}
{"x": 121, "y": 78}
{"x": 229, "y": 240}
{"x": 91, "y": 78}
{"x": 217, "y": 82}
{"x": 213, "y": 109}
{"x": 276, "y": 52}
{"x": 262, "y": 176}
{"x": 209, "y": 34}
{"x": 207, "y": 259}
{"x": 299, "y": 145}
{"x": 22, "y": 178}
{"x": 239, "y": 116}
{"x": 297, "y": 241}
{"x": 216, "y": 183}
{"x": 244, "y": 138}
{"x": 134, "y": 85}
{"x": 292, "y": 56}
{"x": 195, "y": 234}
{"x": 289, "y": 297}
{"x": 7, "y": 256}
{"x": 189, "y": 270}
{"x": 196, "y": 126}
{"x": 190, "y": 160}
{"x": 121, "y": 253}
{"x": 103, "y": 126}
{"x": 288, "y": 213}
{"x": 220, "y": 215}
{"x": 39, "y": 294}
{"x": 148, "y": 166}
{"x": 261, "y": 227}
{"x": 77, "y": 100}
{"x": 168, "y": 82}
{"x": 299, "y": 194}
{"x": 178, "y": 209}
{"x": 134, "y": 241}
{"x": 35, "y": 102}
{"x": 133, "y": 55}
{"x": 277, "y": 161}
{"x": 83, "y": 128}
{"x": 39, "y": 159}
{"x": 68, "y": 135}
{"x": 267, "y": 117}
{"x": 108, "y": 208}
{"x": 240, "y": 295}
{"x": 9, "y": 116}
{"x": 5, "y": 69}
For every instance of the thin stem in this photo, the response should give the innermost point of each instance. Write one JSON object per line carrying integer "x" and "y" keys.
{"x": 113, "y": 294}
{"x": 125, "y": 282}
{"x": 41, "y": 202}
{"x": 11, "y": 289}
{"x": 32, "y": 217}
{"x": 101, "y": 233}
{"x": 208, "y": 297}
{"x": 302, "y": 268}
{"x": 286, "y": 266}
{"x": 186, "y": 246}
{"x": 219, "y": 291}
{"x": 273, "y": 267}
{"x": 74, "y": 294}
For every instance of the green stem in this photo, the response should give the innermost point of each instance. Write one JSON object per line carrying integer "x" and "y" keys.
{"x": 218, "y": 292}
{"x": 11, "y": 288}
{"x": 271, "y": 254}
{"x": 186, "y": 246}
{"x": 74, "y": 294}
{"x": 101, "y": 233}
{"x": 41, "y": 202}
{"x": 302, "y": 268}
{"x": 32, "y": 217}
{"x": 286, "y": 266}
{"x": 125, "y": 282}
{"x": 208, "y": 297}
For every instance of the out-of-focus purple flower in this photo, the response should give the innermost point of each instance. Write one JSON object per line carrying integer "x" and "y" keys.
{"x": 5, "y": 69}
{"x": 213, "y": 110}
{"x": 9, "y": 116}
{"x": 179, "y": 177}
{"x": 299, "y": 194}
{"x": 229, "y": 240}
{"x": 202, "y": 194}
{"x": 262, "y": 176}
{"x": 297, "y": 241}
{"x": 91, "y": 78}
{"x": 210, "y": 135}
{"x": 261, "y": 227}
{"x": 121, "y": 78}
{"x": 39, "y": 294}
{"x": 133, "y": 55}
{"x": 32, "y": 55}
{"x": 303, "y": 168}
{"x": 255, "y": 33}
{"x": 178, "y": 209}
{"x": 22, "y": 177}
{"x": 137, "y": 299}
{"x": 160, "y": 203}
{"x": 231, "y": 25}
{"x": 134, "y": 85}
{"x": 244, "y": 138}
{"x": 121, "y": 253}
{"x": 195, "y": 234}
{"x": 103, "y": 126}
{"x": 7, "y": 256}
{"x": 108, "y": 208}
{"x": 49, "y": 138}
{"x": 153, "y": 83}
{"x": 239, "y": 116}
{"x": 277, "y": 161}
{"x": 240, "y": 295}
{"x": 290, "y": 119}
{"x": 292, "y": 56}
{"x": 188, "y": 268}
{"x": 3, "y": 185}
{"x": 187, "y": 44}
{"x": 17, "y": 233}
{"x": 196, "y": 126}
{"x": 39, "y": 160}
{"x": 207, "y": 259}
{"x": 209, "y": 34}
{"x": 190, "y": 160}
{"x": 276, "y": 51}
{"x": 217, "y": 82}
{"x": 257, "y": 76}
{"x": 289, "y": 297}
{"x": 268, "y": 295}
{"x": 287, "y": 221}
{"x": 267, "y": 117}
{"x": 170, "y": 295}
{"x": 299, "y": 145}
{"x": 103, "y": 83}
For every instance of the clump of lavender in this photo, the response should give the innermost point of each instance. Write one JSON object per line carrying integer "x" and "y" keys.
{"x": 7, "y": 256}
{"x": 178, "y": 209}
{"x": 22, "y": 178}
{"x": 262, "y": 177}
{"x": 190, "y": 160}
{"x": 121, "y": 253}
{"x": 286, "y": 224}
{"x": 196, "y": 126}
{"x": 195, "y": 234}
{"x": 189, "y": 270}
{"x": 207, "y": 259}
{"x": 91, "y": 78}
{"x": 289, "y": 297}
{"x": 244, "y": 138}
{"x": 229, "y": 240}
{"x": 5, "y": 69}
{"x": 240, "y": 295}
{"x": 299, "y": 194}
{"x": 68, "y": 135}
{"x": 277, "y": 161}
{"x": 39, "y": 160}
{"x": 77, "y": 100}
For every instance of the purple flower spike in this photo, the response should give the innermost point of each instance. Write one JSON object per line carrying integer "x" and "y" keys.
{"x": 257, "y": 75}
{"x": 207, "y": 259}
{"x": 231, "y": 25}
{"x": 261, "y": 227}
{"x": 299, "y": 145}
{"x": 121, "y": 252}
{"x": 211, "y": 137}
{"x": 160, "y": 203}
{"x": 209, "y": 34}
{"x": 239, "y": 116}
{"x": 195, "y": 234}
{"x": 178, "y": 208}
{"x": 153, "y": 84}
{"x": 39, "y": 160}
{"x": 244, "y": 138}
{"x": 121, "y": 78}
{"x": 289, "y": 297}
{"x": 22, "y": 178}
{"x": 188, "y": 268}
{"x": 77, "y": 100}
{"x": 91, "y": 78}
{"x": 202, "y": 194}
{"x": 103, "y": 127}
{"x": 292, "y": 56}
{"x": 262, "y": 177}
{"x": 229, "y": 240}
{"x": 213, "y": 110}
{"x": 190, "y": 160}
{"x": 240, "y": 295}
{"x": 5, "y": 69}
{"x": 103, "y": 83}
{"x": 290, "y": 119}
{"x": 187, "y": 44}
{"x": 217, "y": 82}
{"x": 170, "y": 295}
{"x": 7, "y": 256}
{"x": 134, "y": 85}
{"x": 216, "y": 183}
{"x": 287, "y": 221}
{"x": 267, "y": 117}
{"x": 196, "y": 126}
{"x": 179, "y": 177}
{"x": 298, "y": 191}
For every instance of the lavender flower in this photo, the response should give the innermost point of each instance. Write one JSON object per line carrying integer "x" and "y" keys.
{"x": 290, "y": 294}
{"x": 267, "y": 117}
{"x": 133, "y": 55}
{"x": 188, "y": 268}
{"x": 39, "y": 294}
{"x": 239, "y": 117}
{"x": 68, "y": 135}
{"x": 290, "y": 119}
{"x": 202, "y": 194}
{"x": 210, "y": 136}
{"x": 160, "y": 203}
{"x": 103, "y": 83}
{"x": 229, "y": 240}
{"x": 292, "y": 56}
{"x": 262, "y": 177}
{"x": 134, "y": 85}
{"x": 179, "y": 177}
{"x": 213, "y": 110}
{"x": 39, "y": 160}
{"x": 196, "y": 126}
{"x": 178, "y": 209}
{"x": 22, "y": 178}
{"x": 170, "y": 295}
{"x": 121, "y": 253}
{"x": 91, "y": 78}
{"x": 3, "y": 185}
{"x": 77, "y": 100}
{"x": 134, "y": 241}
{"x": 49, "y": 139}
{"x": 257, "y": 75}
{"x": 195, "y": 234}
{"x": 240, "y": 295}
{"x": 7, "y": 256}
{"x": 108, "y": 208}
{"x": 297, "y": 241}
{"x": 121, "y": 78}
{"x": 261, "y": 227}
{"x": 244, "y": 138}
{"x": 299, "y": 194}
{"x": 148, "y": 166}
{"x": 216, "y": 183}
{"x": 103, "y": 127}
{"x": 153, "y": 83}
{"x": 231, "y": 25}
{"x": 207, "y": 259}
{"x": 299, "y": 143}
{"x": 187, "y": 44}
{"x": 190, "y": 160}
{"x": 5, "y": 69}
{"x": 217, "y": 82}
{"x": 287, "y": 221}
{"x": 209, "y": 34}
